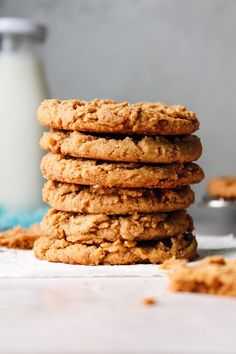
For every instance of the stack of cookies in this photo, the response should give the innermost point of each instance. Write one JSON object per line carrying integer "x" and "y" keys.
{"x": 118, "y": 182}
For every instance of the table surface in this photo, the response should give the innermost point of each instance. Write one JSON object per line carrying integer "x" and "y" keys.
{"x": 105, "y": 314}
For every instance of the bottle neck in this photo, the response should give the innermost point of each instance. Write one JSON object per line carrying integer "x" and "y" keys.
{"x": 16, "y": 43}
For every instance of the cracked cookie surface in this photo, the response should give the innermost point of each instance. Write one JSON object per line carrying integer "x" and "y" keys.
{"x": 97, "y": 228}
{"x": 96, "y": 200}
{"x": 118, "y": 252}
{"x": 127, "y": 175}
{"x": 157, "y": 149}
{"x": 111, "y": 117}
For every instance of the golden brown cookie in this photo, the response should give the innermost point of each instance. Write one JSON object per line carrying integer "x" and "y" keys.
{"x": 157, "y": 149}
{"x": 222, "y": 187}
{"x": 118, "y": 252}
{"x": 111, "y": 174}
{"x": 21, "y": 238}
{"x": 106, "y": 116}
{"x": 96, "y": 200}
{"x": 98, "y": 228}
{"x": 212, "y": 275}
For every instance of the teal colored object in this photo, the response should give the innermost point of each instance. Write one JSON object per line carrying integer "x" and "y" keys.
{"x": 24, "y": 218}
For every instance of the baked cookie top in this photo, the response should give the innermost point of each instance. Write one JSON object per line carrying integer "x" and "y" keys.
{"x": 112, "y": 174}
{"x": 118, "y": 252}
{"x": 107, "y": 116}
{"x": 156, "y": 149}
{"x": 222, "y": 187}
{"x": 98, "y": 228}
{"x": 96, "y": 200}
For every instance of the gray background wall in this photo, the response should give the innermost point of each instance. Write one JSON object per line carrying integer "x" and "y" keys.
{"x": 175, "y": 51}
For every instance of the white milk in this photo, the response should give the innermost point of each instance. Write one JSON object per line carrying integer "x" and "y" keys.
{"x": 22, "y": 88}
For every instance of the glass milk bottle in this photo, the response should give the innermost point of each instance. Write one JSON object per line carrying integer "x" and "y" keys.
{"x": 22, "y": 88}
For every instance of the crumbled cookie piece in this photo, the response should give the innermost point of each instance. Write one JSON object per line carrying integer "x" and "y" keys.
{"x": 172, "y": 262}
{"x": 149, "y": 301}
{"x": 20, "y": 238}
{"x": 213, "y": 275}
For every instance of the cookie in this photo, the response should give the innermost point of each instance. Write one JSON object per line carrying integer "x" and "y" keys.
{"x": 98, "y": 228}
{"x": 212, "y": 275}
{"x": 106, "y": 116}
{"x": 118, "y": 252}
{"x": 127, "y": 175}
{"x": 222, "y": 187}
{"x": 157, "y": 149}
{"x": 21, "y": 238}
{"x": 96, "y": 200}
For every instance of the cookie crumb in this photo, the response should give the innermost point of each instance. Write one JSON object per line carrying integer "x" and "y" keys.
{"x": 212, "y": 275}
{"x": 149, "y": 301}
{"x": 20, "y": 238}
{"x": 172, "y": 262}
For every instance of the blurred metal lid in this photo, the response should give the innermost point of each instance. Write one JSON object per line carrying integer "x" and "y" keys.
{"x": 22, "y": 26}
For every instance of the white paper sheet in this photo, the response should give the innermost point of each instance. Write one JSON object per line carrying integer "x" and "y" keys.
{"x": 23, "y": 264}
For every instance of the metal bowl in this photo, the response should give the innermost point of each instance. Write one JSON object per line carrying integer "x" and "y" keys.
{"x": 215, "y": 216}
